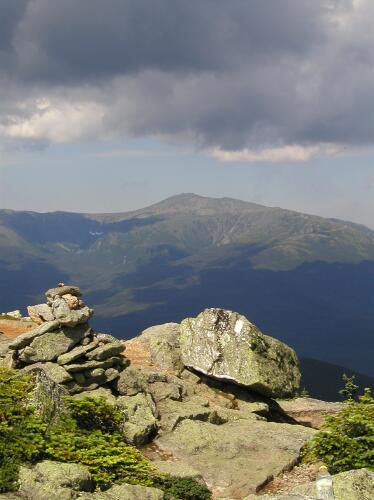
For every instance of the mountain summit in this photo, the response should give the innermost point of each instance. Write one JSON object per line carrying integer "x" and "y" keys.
{"x": 307, "y": 280}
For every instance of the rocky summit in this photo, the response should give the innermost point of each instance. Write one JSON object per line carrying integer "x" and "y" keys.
{"x": 197, "y": 398}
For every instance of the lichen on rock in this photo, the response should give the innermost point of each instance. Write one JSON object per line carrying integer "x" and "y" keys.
{"x": 225, "y": 345}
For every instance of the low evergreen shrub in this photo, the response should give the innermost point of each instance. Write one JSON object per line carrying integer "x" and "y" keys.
{"x": 347, "y": 441}
{"x": 86, "y": 434}
{"x": 21, "y": 431}
{"x": 94, "y": 413}
{"x": 184, "y": 488}
{"x": 350, "y": 389}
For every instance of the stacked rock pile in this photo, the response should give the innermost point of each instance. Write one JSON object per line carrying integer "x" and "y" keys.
{"x": 65, "y": 345}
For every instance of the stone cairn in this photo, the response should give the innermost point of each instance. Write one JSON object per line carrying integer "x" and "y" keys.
{"x": 65, "y": 346}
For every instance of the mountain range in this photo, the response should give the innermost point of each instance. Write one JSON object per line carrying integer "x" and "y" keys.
{"x": 303, "y": 279}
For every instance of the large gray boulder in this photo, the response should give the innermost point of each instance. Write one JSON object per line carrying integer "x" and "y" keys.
{"x": 100, "y": 392}
{"x": 8, "y": 359}
{"x": 4, "y": 344}
{"x": 225, "y": 345}
{"x": 45, "y": 396}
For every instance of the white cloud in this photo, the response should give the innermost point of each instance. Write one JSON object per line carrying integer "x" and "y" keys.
{"x": 288, "y": 153}
{"x": 56, "y": 122}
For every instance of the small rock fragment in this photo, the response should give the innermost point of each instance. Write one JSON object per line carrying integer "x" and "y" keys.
{"x": 105, "y": 338}
{"x": 9, "y": 360}
{"x": 111, "y": 374}
{"x": 76, "y": 367}
{"x": 40, "y": 313}
{"x": 55, "y": 372}
{"x": 105, "y": 351}
{"x": 76, "y": 353}
{"x": 63, "y": 290}
{"x": 71, "y": 300}
{"x": 131, "y": 381}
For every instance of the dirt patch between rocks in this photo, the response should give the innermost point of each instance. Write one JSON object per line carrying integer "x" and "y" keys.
{"x": 138, "y": 354}
{"x": 287, "y": 481}
{"x": 14, "y": 327}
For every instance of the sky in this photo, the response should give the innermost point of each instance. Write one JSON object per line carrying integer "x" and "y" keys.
{"x": 111, "y": 105}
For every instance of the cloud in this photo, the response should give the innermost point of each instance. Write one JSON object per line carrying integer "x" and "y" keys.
{"x": 246, "y": 80}
{"x": 290, "y": 153}
{"x": 59, "y": 123}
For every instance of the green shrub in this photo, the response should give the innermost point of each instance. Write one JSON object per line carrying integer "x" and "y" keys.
{"x": 350, "y": 389}
{"x": 86, "y": 434}
{"x": 8, "y": 472}
{"x": 108, "y": 458}
{"x": 348, "y": 441}
{"x": 304, "y": 393}
{"x": 89, "y": 435}
{"x": 21, "y": 431}
{"x": 184, "y": 488}
{"x": 94, "y": 414}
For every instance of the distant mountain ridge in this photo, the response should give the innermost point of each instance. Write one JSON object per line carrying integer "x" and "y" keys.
{"x": 304, "y": 279}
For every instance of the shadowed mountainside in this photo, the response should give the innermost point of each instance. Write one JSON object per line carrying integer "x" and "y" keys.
{"x": 303, "y": 279}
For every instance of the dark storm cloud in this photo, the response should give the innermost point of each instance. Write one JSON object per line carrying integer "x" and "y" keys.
{"x": 93, "y": 38}
{"x": 222, "y": 73}
{"x": 11, "y": 11}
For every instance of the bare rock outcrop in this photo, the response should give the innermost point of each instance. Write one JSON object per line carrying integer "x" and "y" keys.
{"x": 199, "y": 394}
